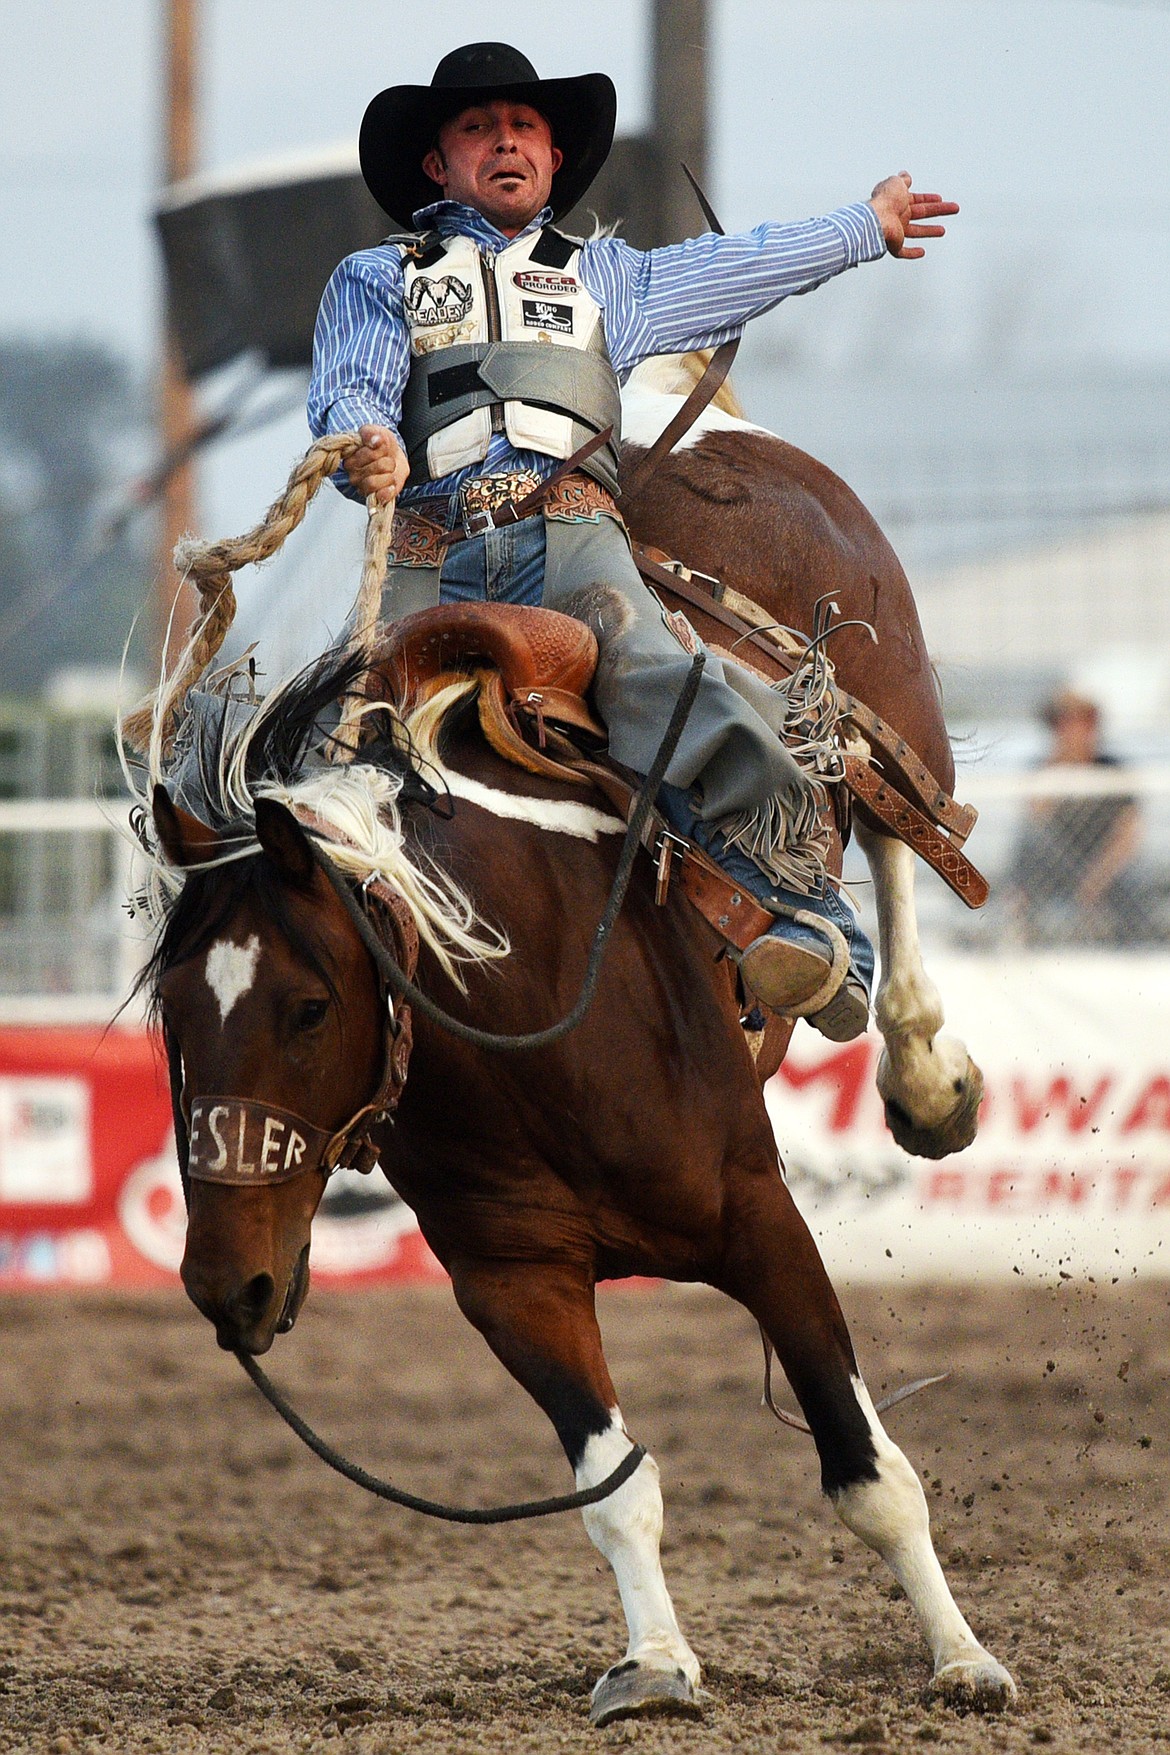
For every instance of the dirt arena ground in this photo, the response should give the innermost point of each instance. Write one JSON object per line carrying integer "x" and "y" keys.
{"x": 176, "y": 1573}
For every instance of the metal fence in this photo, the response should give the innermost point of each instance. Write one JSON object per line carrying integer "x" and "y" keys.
{"x": 1077, "y": 857}
{"x": 68, "y": 949}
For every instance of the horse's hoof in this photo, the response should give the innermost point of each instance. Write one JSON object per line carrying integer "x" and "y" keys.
{"x": 953, "y": 1133}
{"x": 976, "y": 1685}
{"x": 635, "y": 1690}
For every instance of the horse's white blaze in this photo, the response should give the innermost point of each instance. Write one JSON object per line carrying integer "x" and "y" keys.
{"x": 230, "y": 971}
{"x": 919, "y": 1067}
{"x": 646, "y": 412}
{"x": 558, "y": 815}
{"x": 627, "y": 1529}
{"x": 891, "y": 1516}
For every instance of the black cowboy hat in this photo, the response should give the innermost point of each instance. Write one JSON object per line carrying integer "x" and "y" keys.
{"x": 402, "y": 123}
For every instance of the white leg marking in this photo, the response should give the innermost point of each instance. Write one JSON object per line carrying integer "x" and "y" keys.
{"x": 890, "y": 1516}
{"x": 230, "y": 971}
{"x": 919, "y": 1068}
{"x": 627, "y": 1528}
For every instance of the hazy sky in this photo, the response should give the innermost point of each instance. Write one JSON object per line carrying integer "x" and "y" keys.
{"x": 1045, "y": 118}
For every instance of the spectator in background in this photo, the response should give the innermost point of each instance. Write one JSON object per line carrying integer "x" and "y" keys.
{"x": 1074, "y": 876}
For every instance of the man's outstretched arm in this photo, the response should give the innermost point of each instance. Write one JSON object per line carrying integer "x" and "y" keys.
{"x": 703, "y": 291}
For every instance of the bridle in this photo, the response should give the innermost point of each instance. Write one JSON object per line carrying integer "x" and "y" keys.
{"x": 242, "y": 1143}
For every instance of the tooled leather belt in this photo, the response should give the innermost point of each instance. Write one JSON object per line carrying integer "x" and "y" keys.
{"x": 489, "y": 502}
{"x": 485, "y": 493}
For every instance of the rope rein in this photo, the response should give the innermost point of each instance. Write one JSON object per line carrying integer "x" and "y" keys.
{"x": 210, "y": 565}
{"x": 432, "y": 1507}
{"x": 366, "y": 611}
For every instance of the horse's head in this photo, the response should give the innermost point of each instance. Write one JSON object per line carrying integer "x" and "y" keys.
{"x": 269, "y": 966}
{"x": 274, "y": 1020}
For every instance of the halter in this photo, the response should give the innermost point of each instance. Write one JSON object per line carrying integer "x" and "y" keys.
{"x": 242, "y": 1143}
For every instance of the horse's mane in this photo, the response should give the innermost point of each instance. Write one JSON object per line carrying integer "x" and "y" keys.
{"x": 228, "y": 755}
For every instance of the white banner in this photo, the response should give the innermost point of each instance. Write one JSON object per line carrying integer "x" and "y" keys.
{"x": 1071, "y": 1168}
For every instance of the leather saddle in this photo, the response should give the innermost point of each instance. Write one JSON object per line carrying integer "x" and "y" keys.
{"x": 533, "y": 666}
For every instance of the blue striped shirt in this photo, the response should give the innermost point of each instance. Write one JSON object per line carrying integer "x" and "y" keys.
{"x": 690, "y": 295}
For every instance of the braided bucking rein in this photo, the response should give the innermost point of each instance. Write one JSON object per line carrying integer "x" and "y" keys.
{"x": 210, "y": 565}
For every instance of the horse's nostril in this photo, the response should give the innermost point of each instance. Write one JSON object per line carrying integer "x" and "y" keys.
{"x": 248, "y": 1304}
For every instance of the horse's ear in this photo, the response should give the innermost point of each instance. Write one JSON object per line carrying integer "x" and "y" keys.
{"x": 285, "y": 842}
{"x": 185, "y": 840}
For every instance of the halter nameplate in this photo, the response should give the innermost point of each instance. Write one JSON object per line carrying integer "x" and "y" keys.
{"x": 252, "y": 1145}
{"x": 245, "y": 1144}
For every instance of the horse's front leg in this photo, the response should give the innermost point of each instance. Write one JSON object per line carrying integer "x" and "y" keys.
{"x": 928, "y": 1082}
{"x": 541, "y": 1323}
{"x": 773, "y": 1268}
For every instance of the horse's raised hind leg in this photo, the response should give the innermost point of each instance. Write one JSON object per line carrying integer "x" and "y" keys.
{"x": 772, "y": 1267}
{"x": 928, "y": 1082}
{"x": 541, "y": 1323}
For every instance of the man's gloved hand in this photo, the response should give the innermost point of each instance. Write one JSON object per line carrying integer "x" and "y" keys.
{"x": 901, "y": 213}
{"x": 379, "y": 469}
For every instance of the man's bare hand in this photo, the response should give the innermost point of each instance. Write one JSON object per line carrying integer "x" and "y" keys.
{"x": 379, "y": 469}
{"x": 901, "y": 213}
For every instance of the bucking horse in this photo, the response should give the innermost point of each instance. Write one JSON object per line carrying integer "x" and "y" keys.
{"x": 373, "y": 931}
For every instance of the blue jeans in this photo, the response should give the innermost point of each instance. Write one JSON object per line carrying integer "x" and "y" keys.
{"x": 827, "y": 902}
{"x": 501, "y": 566}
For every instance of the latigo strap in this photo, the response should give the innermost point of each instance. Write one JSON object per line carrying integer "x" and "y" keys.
{"x": 915, "y": 779}
{"x": 735, "y": 914}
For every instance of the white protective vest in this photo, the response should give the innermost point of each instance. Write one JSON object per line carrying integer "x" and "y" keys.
{"x": 457, "y": 296}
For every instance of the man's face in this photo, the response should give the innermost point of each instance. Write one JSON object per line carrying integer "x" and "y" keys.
{"x": 499, "y": 158}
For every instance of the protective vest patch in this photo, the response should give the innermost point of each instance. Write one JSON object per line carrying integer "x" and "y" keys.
{"x": 432, "y": 302}
{"x": 561, "y": 286}
{"x": 542, "y": 314}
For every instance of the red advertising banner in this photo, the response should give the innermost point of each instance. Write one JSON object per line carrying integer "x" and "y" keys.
{"x": 89, "y": 1184}
{"x": 1070, "y": 1171}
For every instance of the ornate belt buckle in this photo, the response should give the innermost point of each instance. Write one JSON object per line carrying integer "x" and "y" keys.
{"x": 485, "y": 495}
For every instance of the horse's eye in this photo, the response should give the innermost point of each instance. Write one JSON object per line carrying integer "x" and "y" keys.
{"x": 311, "y": 1013}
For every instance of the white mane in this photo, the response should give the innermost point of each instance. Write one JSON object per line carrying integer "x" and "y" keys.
{"x": 357, "y": 800}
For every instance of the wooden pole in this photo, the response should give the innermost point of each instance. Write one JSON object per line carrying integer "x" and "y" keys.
{"x": 680, "y": 112}
{"x": 176, "y": 400}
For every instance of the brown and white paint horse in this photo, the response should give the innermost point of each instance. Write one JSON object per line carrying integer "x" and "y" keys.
{"x": 737, "y": 503}
{"x": 637, "y": 1145}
